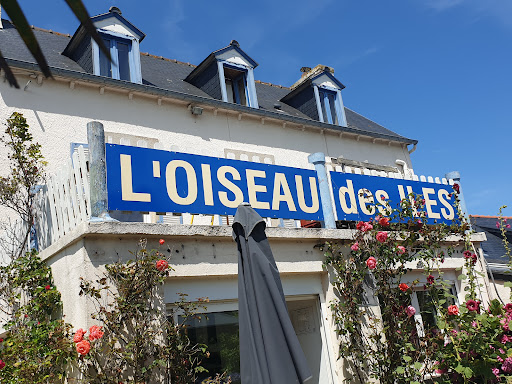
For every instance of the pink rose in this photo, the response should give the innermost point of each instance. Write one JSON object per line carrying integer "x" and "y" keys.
{"x": 364, "y": 226}
{"x": 355, "y": 246}
{"x": 410, "y": 310}
{"x": 453, "y": 310}
{"x": 371, "y": 262}
{"x": 95, "y": 332}
{"x": 83, "y": 347}
{"x": 382, "y": 236}
{"x": 401, "y": 249}
{"x": 79, "y": 335}
{"x": 48, "y": 287}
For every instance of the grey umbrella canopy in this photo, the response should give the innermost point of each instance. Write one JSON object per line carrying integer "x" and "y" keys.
{"x": 270, "y": 352}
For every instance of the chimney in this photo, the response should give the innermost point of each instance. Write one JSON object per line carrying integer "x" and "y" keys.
{"x": 307, "y": 72}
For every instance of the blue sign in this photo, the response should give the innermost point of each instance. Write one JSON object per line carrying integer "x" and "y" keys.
{"x": 359, "y": 197}
{"x": 151, "y": 180}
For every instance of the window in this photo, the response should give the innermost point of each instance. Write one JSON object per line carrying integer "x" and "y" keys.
{"x": 236, "y": 85}
{"x": 425, "y": 311}
{"x": 329, "y": 106}
{"x": 120, "y": 51}
{"x": 218, "y": 330}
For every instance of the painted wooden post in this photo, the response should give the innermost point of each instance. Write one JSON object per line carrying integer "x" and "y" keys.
{"x": 97, "y": 172}
{"x": 455, "y": 176}
{"x": 318, "y": 159}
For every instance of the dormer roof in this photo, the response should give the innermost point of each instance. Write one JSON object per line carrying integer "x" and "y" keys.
{"x": 321, "y": 75}
{"x": 112, "y": 21}
{"x": 231, "y": 54}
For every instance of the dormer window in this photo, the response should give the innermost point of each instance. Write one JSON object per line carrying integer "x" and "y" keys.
{"x": 122, "y": 56}
{"x": 317, "y": 94}
{"x": 122, "y": 39}
{"x": 235, "y": 79}
{"x": 228, "y": 75}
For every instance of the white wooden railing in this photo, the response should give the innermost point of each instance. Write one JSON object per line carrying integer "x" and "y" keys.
{"x": 64, "y": 201}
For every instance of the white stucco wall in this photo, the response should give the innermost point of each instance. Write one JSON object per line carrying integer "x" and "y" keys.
{"x": 58, "y": 116}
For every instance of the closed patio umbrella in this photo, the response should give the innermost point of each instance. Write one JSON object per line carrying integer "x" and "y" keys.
{"x": 270, "y": 352}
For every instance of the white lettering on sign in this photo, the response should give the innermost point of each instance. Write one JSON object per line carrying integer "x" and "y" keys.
{"x": 127, "y": 193}
{"x": 281, "y": 183}
{"x": 315, "y": 203}
{"x": 253, "y": 188}
{"x": 223, "y": 196}
{"x": 172, "y": 187}
{"x": 343, "y": 192}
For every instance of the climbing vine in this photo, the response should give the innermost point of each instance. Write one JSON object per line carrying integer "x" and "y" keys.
{"x": 382, "y": 337}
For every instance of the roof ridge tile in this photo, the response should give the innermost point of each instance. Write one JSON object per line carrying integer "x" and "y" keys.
{"x": 166, "y": 59}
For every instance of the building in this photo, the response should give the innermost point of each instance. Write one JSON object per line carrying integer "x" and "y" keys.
{"x": 494, "y": 252}
{"x": 215, "y": 109}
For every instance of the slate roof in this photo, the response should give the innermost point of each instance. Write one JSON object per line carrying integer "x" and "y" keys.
{"x": 164, "y": 74}
{"x": 493, "y": 248}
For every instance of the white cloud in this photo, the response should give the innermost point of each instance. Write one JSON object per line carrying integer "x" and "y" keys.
{"x": 500, "y": 10}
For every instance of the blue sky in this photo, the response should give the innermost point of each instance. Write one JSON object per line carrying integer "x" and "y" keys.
{"x": 439, "y": 71}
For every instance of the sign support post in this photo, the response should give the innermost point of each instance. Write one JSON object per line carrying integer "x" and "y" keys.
{"x": 318, "y": 159}
{"x": 97, "y": 172}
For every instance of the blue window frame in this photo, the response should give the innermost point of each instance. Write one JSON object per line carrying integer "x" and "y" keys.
{"x": 121, "y": 66}
{"x": 237, "y": 84}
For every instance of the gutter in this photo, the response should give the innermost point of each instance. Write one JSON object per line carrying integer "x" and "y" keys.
{"x": 199, "y": 100}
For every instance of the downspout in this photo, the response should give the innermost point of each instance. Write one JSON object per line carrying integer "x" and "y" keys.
{"x": 413, "y": 148}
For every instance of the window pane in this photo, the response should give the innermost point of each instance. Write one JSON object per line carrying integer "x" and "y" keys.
{"x": 124, "y": 61}
{"x": 241, "y": 90}
{"x": 332, "y": 105}
{"x": 322, "y": 103}
{"x": 218, "y": 330}
{"x": 229, "y": 91}
{"x": 105, "y": 69}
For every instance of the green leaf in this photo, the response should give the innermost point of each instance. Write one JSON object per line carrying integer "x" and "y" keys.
{"x": 468, "y": 372}
{"x": 418, "y": 365}
{"x": 407, "y": 358}
{"x": 400, "y": 370}
{"x": 462, "y": 277}
{"x": 507, "y": 284}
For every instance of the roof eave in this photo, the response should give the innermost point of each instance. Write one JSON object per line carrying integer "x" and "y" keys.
{"x": 214, "y": 103}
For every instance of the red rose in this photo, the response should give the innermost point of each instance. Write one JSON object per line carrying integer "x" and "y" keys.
{"x": 83, "y": 347}
{"x": 48, "y": 287}
{"x": 371, "y": 263}
{"x": 384, "y": 221}
{"x": 355, "y": 246}
{"x": 430, "y": 279}
{"x": 473, "y": 305}
{"x": 403, "y": 287}
{"x": 467, "y": 254}
{"x": 508, "y": 307}
{"x": 382, "y": 236}
{"x": 1, "y": 340}
{"x": 162, "y": 265}
{"x": 161, "y": 241}
{"x": 453, "y": 310}
{"x": 456, "y": 187}
{"x": 79, "y": 335}
{"x": 2, "y": 364}
{"x": 95, "y": 332}
{"x": 474, "y": 258}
